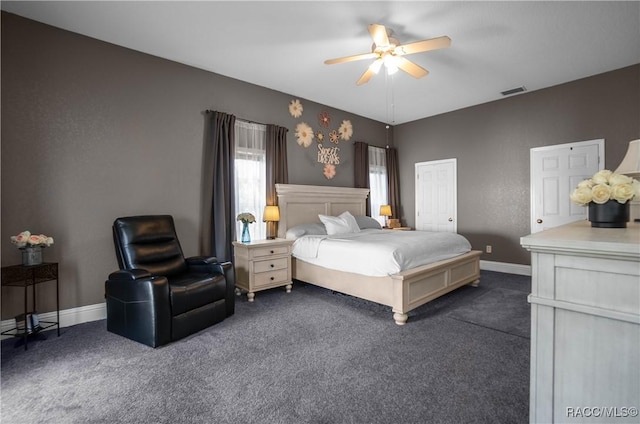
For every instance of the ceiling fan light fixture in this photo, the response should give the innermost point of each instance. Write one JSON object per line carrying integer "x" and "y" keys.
{"x": 376, "y": 65}
{"x": 391, "y": 63}
{"x": 388, "y": 50}
{"x": 392, "y": 69}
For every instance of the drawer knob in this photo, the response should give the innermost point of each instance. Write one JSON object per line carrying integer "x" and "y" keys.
{"x": 271, "y": 265}
{"x": 272, "y": 278}
{"x": 272, "y": 252}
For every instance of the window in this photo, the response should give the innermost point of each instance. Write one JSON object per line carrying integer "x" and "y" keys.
{"x": 378, "y": 181}
{"x": 250, "y": 175}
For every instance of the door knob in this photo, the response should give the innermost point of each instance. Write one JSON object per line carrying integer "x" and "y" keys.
{"x": 450, "y": 219}
{"x": 539, "y": 221}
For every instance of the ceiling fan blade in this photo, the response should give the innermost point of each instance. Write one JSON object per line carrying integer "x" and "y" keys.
{"x": 423, "y": 46}
{"x": 379, "y": 35}
{"x": 366, "y": 76}
{"x": 411, "y": 68}
{"x": 351, "y": 58}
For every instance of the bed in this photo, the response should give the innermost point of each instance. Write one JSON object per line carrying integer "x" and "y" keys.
{"x": 402, "y": 291}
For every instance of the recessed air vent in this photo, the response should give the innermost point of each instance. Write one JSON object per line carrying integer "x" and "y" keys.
{"x": 514, "y": 91}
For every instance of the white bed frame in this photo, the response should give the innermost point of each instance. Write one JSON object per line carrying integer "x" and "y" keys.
{"x": 301, "y": 204}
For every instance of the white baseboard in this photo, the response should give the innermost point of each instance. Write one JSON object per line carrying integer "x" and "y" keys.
{"x": 505, "y": 267}
{"x": 82, "y": 314}
{"x": 68, "y": 317}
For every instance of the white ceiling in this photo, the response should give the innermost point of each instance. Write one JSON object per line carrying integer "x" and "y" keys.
{"x": 282, "y": 45}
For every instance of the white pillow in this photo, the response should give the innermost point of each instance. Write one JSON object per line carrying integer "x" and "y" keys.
{"x": 351, "y": 221}
{"x": 334, "y": 224}
{"x": 343, "y": 224}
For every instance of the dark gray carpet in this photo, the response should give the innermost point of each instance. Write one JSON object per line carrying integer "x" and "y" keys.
{"x": 311, "y": 356}
{"x": 499, "y": 309}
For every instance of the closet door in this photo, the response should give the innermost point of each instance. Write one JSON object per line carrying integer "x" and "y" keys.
{"x": 436, "y": 195}
{"x": 555, "y": 173}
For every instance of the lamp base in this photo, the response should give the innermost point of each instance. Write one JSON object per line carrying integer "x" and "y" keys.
{"x": 272, "y": 230}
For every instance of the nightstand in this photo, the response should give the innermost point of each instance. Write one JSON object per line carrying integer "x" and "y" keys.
{"x": 262, "y": 264}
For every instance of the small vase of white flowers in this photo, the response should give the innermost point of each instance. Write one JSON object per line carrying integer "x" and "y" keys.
{"x": 246, "y": 218}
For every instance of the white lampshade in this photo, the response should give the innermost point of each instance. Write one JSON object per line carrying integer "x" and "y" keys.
{"x": 630, "y": 165}
{"x": 271, "y": 214}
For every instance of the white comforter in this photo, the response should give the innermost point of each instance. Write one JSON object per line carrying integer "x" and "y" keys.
{"x": 379, "y": 252}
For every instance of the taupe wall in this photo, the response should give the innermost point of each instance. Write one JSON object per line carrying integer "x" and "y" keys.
{"x": 92, "y": 131}
{"x": 492, "y": 141}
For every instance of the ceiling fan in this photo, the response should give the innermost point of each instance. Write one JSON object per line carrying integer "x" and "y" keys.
{"x": 387, "y": 50}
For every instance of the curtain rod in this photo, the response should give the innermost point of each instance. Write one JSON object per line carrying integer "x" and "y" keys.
{"x": 250, "y": 122}
{"x": 239, "y": 118}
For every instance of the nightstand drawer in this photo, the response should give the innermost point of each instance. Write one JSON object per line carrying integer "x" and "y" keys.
{"x": 269, "y": 251}
{"x": 272, "y": 277}
{"x": 270, "y": 265}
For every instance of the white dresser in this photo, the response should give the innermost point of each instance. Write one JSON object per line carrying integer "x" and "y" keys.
{"x": 585, "y": 324}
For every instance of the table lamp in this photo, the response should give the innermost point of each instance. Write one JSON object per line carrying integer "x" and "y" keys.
{"x": 385, "y": 210}
{"x": 271, "y": 215}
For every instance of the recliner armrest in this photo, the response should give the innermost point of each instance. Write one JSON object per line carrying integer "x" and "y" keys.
{"x": 229, "y": 275}
{"x": 202, "y": 260}
{"x": 205, "y": 264}
{"x": 140, "y": 308}
{"x": 211, "y": 264}
{"x": 130, "y": 274}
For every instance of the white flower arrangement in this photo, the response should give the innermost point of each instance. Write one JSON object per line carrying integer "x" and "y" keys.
{"x": 304, "y": 134}
{"x": 345, "y": 130}
{"x": 246, "y": 218}
{"x": 295, "y": 108}
{"x": 605, "y": 186}
{"x": 26, "y": 239}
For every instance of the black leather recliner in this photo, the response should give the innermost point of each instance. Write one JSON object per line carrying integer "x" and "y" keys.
{"x": 158, "y": 296}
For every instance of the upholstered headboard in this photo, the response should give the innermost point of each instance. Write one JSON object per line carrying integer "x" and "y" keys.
{"x": 301, "y": 204}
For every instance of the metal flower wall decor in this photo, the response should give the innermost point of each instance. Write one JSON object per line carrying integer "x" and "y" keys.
{"x": 329, "y": 156}
{"x": 304, "y": 134}
{"x": 295, "y": 108}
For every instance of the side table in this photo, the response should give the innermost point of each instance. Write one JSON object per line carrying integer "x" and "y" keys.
{"x": 262, "y": 264}
{"x": 32, "y": 275}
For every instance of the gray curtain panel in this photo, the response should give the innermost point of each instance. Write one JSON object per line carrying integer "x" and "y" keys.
{"x": 276, "y": 158}
{"x": 218, "y": 218}
{"x": 393, "y": 176}
{"x": 361, "y": 169}
{"x": 276, "y": 164}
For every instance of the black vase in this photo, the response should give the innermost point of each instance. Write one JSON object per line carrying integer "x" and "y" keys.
{"x": 609, "y": 215}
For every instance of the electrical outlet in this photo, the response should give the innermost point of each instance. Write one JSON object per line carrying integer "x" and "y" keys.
{"x": 488, "y": 248}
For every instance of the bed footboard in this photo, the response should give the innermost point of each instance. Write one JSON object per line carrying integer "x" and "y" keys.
{"x": 402, "y": 292}
{"x": 420, "y": 285}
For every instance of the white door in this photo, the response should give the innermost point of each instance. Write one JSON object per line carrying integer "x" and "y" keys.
{"x": 436, "y": 195}
{"x": 555, "y": 173}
